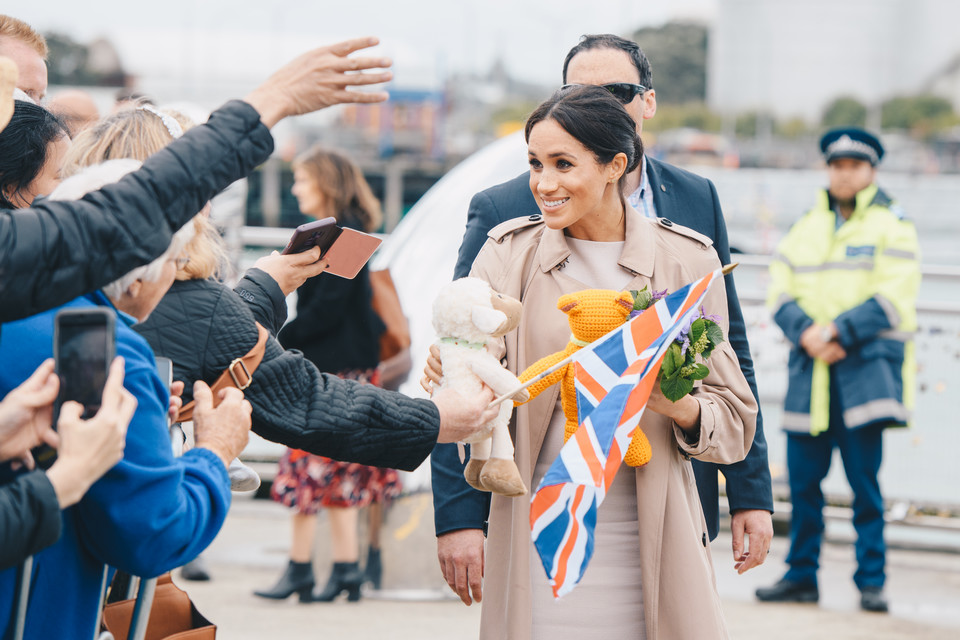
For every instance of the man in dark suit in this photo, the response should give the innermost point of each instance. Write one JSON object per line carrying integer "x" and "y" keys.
{"x": 656, "y": 189}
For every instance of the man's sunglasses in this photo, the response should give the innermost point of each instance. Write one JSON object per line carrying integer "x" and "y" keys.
{"x": 625, "y": 92}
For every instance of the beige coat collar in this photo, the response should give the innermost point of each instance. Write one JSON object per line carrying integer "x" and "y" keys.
{"x": 639, "y": 248}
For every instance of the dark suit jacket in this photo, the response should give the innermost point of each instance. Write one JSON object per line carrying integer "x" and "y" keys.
{"x": 684, "y": 198}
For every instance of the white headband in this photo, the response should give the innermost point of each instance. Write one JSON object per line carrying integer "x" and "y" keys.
{"x": 168, "y": 121}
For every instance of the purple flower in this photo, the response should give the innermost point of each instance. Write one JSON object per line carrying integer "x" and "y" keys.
{"x": 685, "y": 331}
{"x": 683, "y": 338}
{"x": 656, "y": 295}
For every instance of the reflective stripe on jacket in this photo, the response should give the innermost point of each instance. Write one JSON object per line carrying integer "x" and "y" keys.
{"x": 863, "y": 276}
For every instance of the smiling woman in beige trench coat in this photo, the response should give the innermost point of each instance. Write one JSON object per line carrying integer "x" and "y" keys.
{"x": 652, "y": 575}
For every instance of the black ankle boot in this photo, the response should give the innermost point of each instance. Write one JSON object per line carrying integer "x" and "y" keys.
{"x": 298, "y": 577}
{"x": 374, "y": 569}
{"x": 346, "y": 576}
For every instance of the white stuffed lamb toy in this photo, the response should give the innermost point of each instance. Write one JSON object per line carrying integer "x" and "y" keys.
{"x": 467, "y": 315}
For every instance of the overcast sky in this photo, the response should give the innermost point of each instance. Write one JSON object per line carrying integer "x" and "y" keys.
{"x": 205, "y": 40}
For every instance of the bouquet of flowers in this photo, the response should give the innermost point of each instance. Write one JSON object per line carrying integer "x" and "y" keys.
{"x": 680, "y": 367}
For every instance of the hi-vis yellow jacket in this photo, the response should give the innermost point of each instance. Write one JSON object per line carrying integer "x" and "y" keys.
{"x": 864, "y": 277}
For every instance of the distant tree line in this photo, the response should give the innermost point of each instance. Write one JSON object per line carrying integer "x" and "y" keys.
{"x": 922, "y": 115}
{"x": 678, "y": 51}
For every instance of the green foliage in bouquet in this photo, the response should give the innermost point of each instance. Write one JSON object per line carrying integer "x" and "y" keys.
{"x": 680, "y": 367}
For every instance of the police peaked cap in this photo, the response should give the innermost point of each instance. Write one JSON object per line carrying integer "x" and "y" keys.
{"x": 851, "y": 142}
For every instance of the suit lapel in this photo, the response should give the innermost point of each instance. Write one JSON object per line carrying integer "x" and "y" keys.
{"x": 662, "y": 190}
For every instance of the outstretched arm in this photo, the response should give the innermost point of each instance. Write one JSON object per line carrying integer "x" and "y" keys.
{"x": 55, "y": 251}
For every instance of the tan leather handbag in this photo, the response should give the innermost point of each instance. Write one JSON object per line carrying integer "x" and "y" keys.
{"x": 173, "y": 616}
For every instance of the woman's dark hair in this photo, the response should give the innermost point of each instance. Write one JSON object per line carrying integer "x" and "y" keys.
{"x": 23, "y": 148}
{"x": 597, "y": 120}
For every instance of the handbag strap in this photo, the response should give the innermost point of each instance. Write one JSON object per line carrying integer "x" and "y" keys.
{"x": 238, "y": 375}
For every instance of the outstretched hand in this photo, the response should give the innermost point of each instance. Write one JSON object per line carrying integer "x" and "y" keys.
{"x": 292, "y": 270}
{"x": 462, "y": 416}
{"x": 319, "y": 79}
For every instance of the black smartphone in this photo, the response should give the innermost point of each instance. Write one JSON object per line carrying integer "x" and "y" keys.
{"x": 84, "y": 343}
{"x": 319, "y": 233}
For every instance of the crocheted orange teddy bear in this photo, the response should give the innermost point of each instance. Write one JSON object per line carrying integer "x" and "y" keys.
{"x": 591, "y": 313}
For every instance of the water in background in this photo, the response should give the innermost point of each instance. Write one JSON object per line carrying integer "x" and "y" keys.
{"x": 761, "y": 204}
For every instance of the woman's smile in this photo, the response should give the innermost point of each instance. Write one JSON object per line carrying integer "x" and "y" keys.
{"x": 553, "y": 204}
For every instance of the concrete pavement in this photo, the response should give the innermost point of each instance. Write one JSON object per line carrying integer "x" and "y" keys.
{"x": 924, "y": 588}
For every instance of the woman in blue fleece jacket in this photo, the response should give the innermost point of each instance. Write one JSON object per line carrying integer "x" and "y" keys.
{"x": 151, "y": 512}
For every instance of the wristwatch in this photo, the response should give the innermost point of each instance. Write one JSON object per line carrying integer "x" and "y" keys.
{"x": 826, "y": 333}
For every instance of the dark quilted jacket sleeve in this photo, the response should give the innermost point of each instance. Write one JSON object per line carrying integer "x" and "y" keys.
{"x": 203, "y": 325}
{"x": 265, "y": 299}
{"x": 29, "y": 517}
{"x": 55, "y": 251}
{"x": 295, "y": 404}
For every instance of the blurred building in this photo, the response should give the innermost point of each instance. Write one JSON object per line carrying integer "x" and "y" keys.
{"x": 410, "y": 123}
{"x": 790, "y": 58}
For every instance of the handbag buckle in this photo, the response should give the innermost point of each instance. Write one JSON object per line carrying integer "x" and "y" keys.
{"x": 233, "y": 374}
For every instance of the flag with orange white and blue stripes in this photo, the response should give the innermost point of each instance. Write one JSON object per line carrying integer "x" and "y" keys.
{"x": 614, "y": 377}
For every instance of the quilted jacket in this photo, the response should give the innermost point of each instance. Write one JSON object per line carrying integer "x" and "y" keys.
{"x": 202, "y": 325}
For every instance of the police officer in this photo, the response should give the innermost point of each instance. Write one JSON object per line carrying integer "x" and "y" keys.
{"x": 843, "y": 290}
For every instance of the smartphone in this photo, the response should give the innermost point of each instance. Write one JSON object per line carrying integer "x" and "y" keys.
{"x": 165, "y": 369}
{"x": 84, "y": 343}
{"x": 319, "y": 233}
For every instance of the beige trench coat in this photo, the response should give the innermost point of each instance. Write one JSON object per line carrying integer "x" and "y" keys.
{"x": 523, "y": 258}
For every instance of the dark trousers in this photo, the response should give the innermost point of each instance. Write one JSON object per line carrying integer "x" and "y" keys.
{"x": 808, "y": 461}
